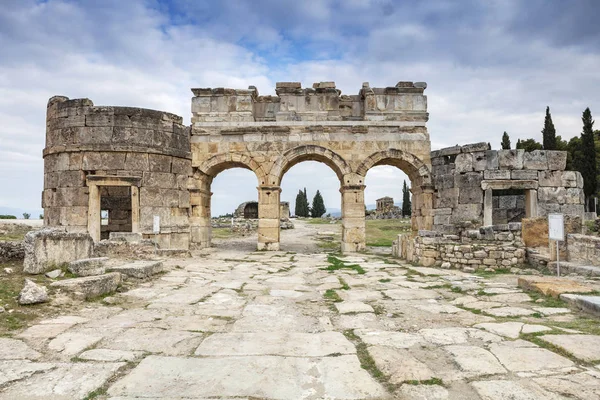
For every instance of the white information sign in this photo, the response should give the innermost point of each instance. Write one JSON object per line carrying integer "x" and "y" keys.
{"x": 156, "y": 224}
{"x": 556, "y": 227}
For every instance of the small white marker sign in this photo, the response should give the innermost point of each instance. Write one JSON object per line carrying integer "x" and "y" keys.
{"x": 556, "y": 227}
{"x": 156, "y": 224}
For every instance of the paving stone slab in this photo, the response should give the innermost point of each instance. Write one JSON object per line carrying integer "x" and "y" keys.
{"x": 510, "y": 312}
{"x": 509, "y": 390}
{"x": 506, "y": 329}
{"x": 12, "y": 349}
{"x": 346, "y": 307}
{"x": 475, "y": 360}
{"x": 582, "y": 347}
{"x": 581, "y": 386}
{"x": 110, "y": 355}
{"x": 552, "y": 286}
{"x": 552, "y": 310}
{"x": 423, "y": 392}
{"x": 66, "y": 381}
{"x": 292, "y": 344}
{"x": 399, "y": 365}
{"x": 154, "y": 341}
{"x": 15, "y": 370}
{"x": 72, "y": 343}
{"x": 399, "y": 340}
{"x": 517, "y": 358}
{"x": 44, "y": 331}
{"x": 261, "y": 376}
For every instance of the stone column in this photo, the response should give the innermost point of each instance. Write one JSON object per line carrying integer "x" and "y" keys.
{"x": 488, "y": 207}
{"x": 531, "y": 203}
{"x": 93, "y": 218}
{"x": 135, "y": 209}
{"x": 268, "y": 217}
{"x": 200, "y": 227}
{"x": 353, "y": 218}
{"x": 427, "y": 206}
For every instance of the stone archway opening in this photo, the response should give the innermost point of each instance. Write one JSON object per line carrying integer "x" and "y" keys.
{"x": 385, "y": 216}
{"x": 311, "y": 175}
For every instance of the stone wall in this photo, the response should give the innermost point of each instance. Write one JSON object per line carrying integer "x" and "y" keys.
{"x": 11, "y": 251}
{"x": 84, "y": 141}
{"x": 497, "y": 246}
{"x": 48, "y": 248}
{"x": 583, "y": 249}
{"x": 466, "y": 177}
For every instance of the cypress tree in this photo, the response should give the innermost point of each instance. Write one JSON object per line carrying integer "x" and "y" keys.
{"x": 549, "y": 133}
{"x": 318, "y": 206}
{"x": 406, "y": 206}
{"x": 298, "y": 208}
{"x": 505, "y": 141}
{"x": 587, "y": 164}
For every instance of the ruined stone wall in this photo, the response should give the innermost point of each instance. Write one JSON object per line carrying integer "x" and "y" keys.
{"x": 494, "y": 247}
{"x": 583, "y": 249}
{"x": 85, "y": 141}
{"x": 466, "y": 177}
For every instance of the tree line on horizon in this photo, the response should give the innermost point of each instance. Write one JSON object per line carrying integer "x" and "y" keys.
{"x": 583, "y": 152}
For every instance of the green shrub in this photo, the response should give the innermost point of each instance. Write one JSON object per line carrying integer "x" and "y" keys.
{"x": 7, "y": 217}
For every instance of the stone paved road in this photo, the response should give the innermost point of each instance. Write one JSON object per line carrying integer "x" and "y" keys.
{"x": 252, "y": 325}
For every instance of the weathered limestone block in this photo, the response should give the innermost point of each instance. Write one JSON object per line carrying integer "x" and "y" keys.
{"x": 90, "y": 286}
{"x": 469, "y": 179}
{"x": 47, "y": 248}
{"x": 551, "y": 178}
{"x": 523, "y": 174}
{"x": 470, "y": 194}
{"x": 139, "y": 269}
{"x": 137, "y": 162}
{"x": 480, "y": 160}
{"x": 159, "y": 163}
{"x": 557, "y": 160}
{"x": 496, "y": 174}
{"x": 444, "y": 181}
{"x": 11, "y": 251}
{"x": 511, "y": 159}
{"x": 547, "y": 208}
{"x": 575, "y": 196}
{"x": 464, "y": 163}
{"x": 492, "y": 159}
{"x": 450, "y": 151}
{"x": 568, "y": 179}
{"x": 557, "y": 195}
{"x": 467, "y": 212}
{"x": 470, "y": 148}
{"x": 536, "y": 159}
{"x": 573, "y": 209}
{"x": 88, "y": 266}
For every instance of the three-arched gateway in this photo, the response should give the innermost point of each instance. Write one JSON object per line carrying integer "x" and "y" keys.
{"x": 236, "y": 128}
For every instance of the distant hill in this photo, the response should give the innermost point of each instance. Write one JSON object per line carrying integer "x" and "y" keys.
{"x": 336, "y": 212}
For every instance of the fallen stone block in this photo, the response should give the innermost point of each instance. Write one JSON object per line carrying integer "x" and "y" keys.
{"x": 129, "y": 237}
{"x": 32, "y": 293}
{"x": 552, "y": 286}
{"x": 139, "y": 269}
{"x": 90, "y": 286}
{"x": 47, "y": 248}
{"x": 88, "y": 266}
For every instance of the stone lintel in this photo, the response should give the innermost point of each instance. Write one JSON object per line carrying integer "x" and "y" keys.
{"x": 508, "y": 184}
{"x": 110, "y": 180}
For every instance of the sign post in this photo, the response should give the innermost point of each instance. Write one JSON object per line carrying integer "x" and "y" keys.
{"x": 556, "y": 232}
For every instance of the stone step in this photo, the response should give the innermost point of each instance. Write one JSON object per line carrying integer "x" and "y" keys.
{"x": 590, "y": 304}
{"x": 90, "y": 286}
{"x": 139, "y": 269}
{"x": 575, "y": 268}
{"x": 88, "y": 266}
{"x": 552, "y": 285}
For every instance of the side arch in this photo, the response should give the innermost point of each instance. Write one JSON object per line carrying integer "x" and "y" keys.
{"x": 417, "y": 170}
{"x": 309, "y": 153}
{"x": 220, "y": 162}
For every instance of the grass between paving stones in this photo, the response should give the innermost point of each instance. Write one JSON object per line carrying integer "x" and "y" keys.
{"x": 386, "y": 280}
{"x": 431, "y": 381}
{"x": 535, "y": 338}
{"x": 337, "y": 264}
{"x": 344, "y": 284}
{"x": 331, "y": 294}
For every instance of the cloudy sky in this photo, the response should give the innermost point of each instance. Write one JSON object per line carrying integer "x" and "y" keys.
{"x": 491, "y": 66}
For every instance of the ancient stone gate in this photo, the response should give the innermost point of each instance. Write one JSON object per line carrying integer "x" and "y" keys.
{"x": 270, "y": 134}
{"x": 146, "y": 164}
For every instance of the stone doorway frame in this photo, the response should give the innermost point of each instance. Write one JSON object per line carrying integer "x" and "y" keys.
{"x": 94, "y": 182}
{"x": 531, "y": 198}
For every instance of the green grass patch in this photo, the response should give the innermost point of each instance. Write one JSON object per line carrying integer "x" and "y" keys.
{"x": 332, "y": 295}
{"x": 542, "y": 300}
{"x": 432, "y": 381}
{"x": 317, "y": 221}
{"x": 386, "y": 280}
{"x": 456, "y": 289}
{"x": 487, "y": 274}
{"x": 336, "y": 264}
{"x": 344, "y": 284}
{"x": 382, "y": 232}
